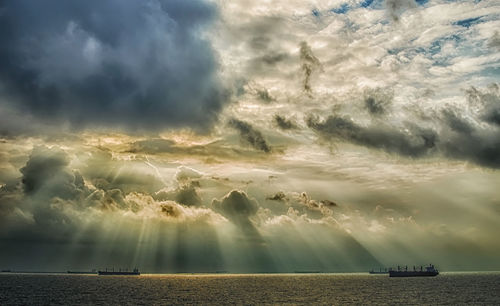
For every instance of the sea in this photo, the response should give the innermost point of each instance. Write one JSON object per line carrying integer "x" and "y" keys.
{"x": 471, "y": 288}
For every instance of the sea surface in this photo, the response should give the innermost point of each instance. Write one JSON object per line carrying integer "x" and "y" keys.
{"x": 480, "y": 288}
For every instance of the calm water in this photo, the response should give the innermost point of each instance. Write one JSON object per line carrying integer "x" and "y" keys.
{"x": 447, "y": 288}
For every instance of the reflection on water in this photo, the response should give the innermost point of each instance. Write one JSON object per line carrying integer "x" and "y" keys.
{"x": 447, "y": 288}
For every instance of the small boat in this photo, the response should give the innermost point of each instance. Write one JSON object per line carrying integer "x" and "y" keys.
{"x": 430, "y": 270}
{"x": 120, "y": 272}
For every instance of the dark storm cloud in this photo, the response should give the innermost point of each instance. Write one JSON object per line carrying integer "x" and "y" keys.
{"x": 47, "y": 171}
{"x": 284, "y": 123}
{"x": 493, "y": 116}
{"x": 48, "y": 201}
{"x": 478, "y": 143}
{"x": 48, "y": 221}
{"x": 42, "y": 166}
{"x": 456, "y": 139}
{"x": 38, "y": 202}
{"x": 136, "y": 64}
{"x": 456, "y": 122}
{"x": 413, "y": 141}
{"x": 456, "y": 134}
{"x": 310, "y": 63}
{"x": 481, "y": 147}
{"x": 250, "y": 135}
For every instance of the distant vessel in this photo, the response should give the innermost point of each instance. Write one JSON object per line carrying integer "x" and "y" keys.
{"x": 83, "y": 272}
{"x": 430, "y": 270}
{"x": 379, "y": 271}
{"x": 6, "y": 271}
{"x": 125, "y": 272}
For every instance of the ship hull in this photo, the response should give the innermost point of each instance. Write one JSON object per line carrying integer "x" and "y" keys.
{"x": 378, "y": 272}
{"x": 118, "y": 273}
{"x": 412, "y": 273}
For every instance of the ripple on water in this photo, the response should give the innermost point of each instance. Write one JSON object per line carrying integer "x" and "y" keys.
{"x": 447, "y": 288}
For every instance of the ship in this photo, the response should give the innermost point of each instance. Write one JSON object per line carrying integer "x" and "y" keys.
{"x": 82, "y": 272}
{"x": 380, "y": 271}
{"x": 430, "y": 270}
{"x": 120, "y": 272}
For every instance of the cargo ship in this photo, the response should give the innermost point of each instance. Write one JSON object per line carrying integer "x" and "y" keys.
{"x": 380, "y": 271}
{"x": 430, "y": 270}
{"x": 120, "y": 272}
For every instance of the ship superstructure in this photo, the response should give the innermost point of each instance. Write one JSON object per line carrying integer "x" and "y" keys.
{"x": 120, "y": 272}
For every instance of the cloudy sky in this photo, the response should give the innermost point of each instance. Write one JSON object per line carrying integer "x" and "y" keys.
{"x": 249, "y": 136}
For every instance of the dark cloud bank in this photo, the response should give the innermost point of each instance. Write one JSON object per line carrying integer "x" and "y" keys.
{"x": 452, "y": 133}
{"x": 137, "y": 64}
{"x": 413, "y": 143}
{"x": 53, "y": 217}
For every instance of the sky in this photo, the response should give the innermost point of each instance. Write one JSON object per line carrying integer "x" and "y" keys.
{"x": 249, "y": 136}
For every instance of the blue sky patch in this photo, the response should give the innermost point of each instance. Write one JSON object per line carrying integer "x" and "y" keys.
{"x": 344, "y": 8}
{"x": 468, "y": 22}
{"x": 366, "y": 3}
{"x": 421, "y": 2}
